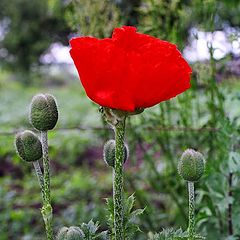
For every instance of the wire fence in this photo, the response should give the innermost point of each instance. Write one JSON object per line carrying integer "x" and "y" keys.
{"x": 85, "y": 128}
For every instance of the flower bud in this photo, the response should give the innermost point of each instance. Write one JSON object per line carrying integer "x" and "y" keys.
{"x": 71, "y": 233}
{"x": 191, "y": 165}
{"x": 109, "y": 153}
{"x": 28, "y": 146}
{"x": 43, "y": 112}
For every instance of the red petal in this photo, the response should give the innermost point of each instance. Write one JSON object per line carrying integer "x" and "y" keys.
{"x": 129, "y": 70}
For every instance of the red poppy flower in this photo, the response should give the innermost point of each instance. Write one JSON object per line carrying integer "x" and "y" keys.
{"x": 130, "y": 70}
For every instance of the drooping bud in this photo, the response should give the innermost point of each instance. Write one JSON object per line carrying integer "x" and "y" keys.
{"x": 43, "y": 112}
{"x": 28, "y": 146}
{"x": 191, "y": 165}
{"x": 71, "y": 233}
{"x": 109, "y": 152}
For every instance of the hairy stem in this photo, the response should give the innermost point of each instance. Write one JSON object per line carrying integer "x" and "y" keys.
{"x": 118, "y": 180}
{"x": 191, "y": 223}
{"x": 47, "y": 208}
{"x": 40, "y": 178}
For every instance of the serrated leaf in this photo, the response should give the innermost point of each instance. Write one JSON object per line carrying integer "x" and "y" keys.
{"x": 103, "y": 236}
{"x": 130, "y": 203}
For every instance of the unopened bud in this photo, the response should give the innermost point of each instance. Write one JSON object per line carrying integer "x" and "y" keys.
{"x": 28, "y": 146}
{"x": 191, "y": 165}
{"x": 43, "y": 112}
{"x": 71, "y": 233}
{"x": 109, "y": 153}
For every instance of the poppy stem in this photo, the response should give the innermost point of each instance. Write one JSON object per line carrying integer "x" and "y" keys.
{"x": 191, "y": 224}
{"x": 118, "y": 180}
{"x": 47, "y": 208}
{"x": 39, "y": 177}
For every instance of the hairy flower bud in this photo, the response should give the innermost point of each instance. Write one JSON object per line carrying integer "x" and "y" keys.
{"x": 71, "y": 233}
{"x": 43, "y": 112}
{"x": 109, "y": 153}
{"x": 191, "y": 165}
{"x": 28, "y": 146}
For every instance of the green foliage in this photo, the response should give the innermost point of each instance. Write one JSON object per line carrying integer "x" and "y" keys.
{"x": 92, "y": 17}
{"x": 216, "y": 14}
{"x": 130, "y": 222}
{"x": 164, "y": 19}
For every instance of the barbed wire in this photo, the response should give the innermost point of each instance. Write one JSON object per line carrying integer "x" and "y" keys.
{"x": 86, "y": 128}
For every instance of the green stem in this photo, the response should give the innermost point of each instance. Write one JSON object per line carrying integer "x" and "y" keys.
{"x": 191, "y": 224}
{"x": 40, "y": 178}
{"x": 118, "y": 180}
{"x": 47, "y": 208}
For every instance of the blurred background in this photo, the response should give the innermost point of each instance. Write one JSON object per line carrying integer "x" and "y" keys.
{"x": 34, "y": 57}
